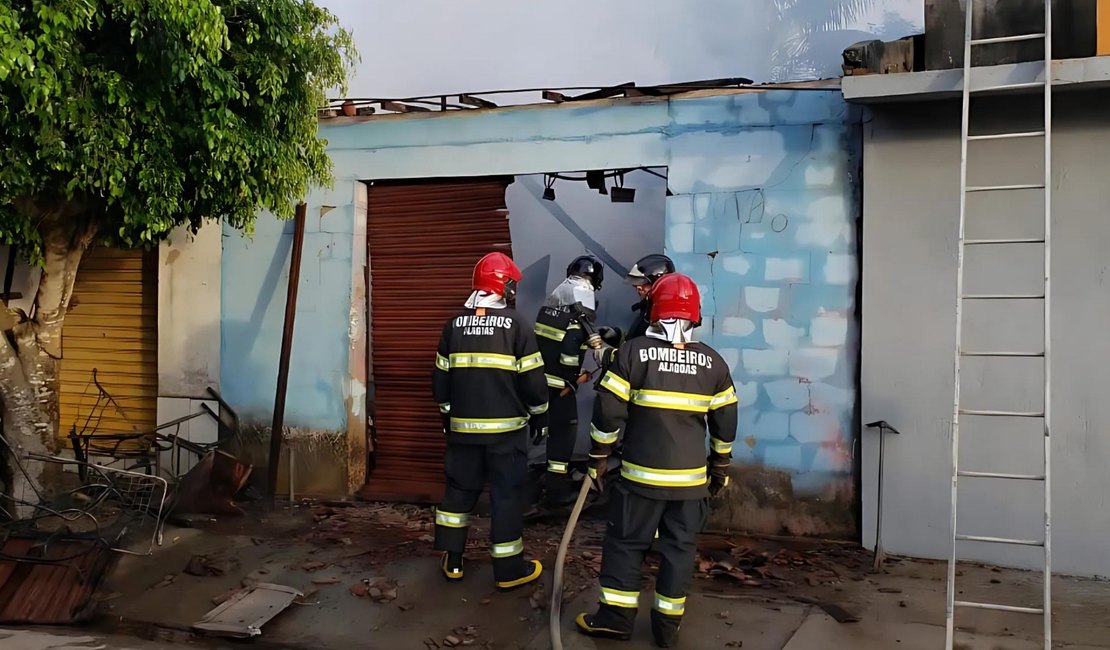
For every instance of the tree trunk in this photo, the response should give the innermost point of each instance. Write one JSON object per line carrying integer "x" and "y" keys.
{"x": 29, "y": 356}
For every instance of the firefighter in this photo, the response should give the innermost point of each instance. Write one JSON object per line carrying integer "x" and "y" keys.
{"x": 489, "y": 384}
{"x": 664, "y": 390}
{"x": 643, "y": 275}
{"x": 562, "y": 340}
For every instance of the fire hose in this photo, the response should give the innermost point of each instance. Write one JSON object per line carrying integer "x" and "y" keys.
{"x": 557, "y": 581}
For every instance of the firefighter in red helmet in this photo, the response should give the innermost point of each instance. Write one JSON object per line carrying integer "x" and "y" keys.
{"x": 665, "y": 390}
{"x": 490, "y": 386}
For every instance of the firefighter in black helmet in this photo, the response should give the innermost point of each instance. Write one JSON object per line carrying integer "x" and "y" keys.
{"x": 562, "y": 327}
{"x": 643, "y": 275}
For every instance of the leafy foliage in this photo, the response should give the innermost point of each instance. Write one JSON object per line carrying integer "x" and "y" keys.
{"x": 144, "y": 115}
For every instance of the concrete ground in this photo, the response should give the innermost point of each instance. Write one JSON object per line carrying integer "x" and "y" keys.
{"x": 329, "y": 552}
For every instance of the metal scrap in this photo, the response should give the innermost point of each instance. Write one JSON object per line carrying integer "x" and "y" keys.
{"x": 243, "y": 615}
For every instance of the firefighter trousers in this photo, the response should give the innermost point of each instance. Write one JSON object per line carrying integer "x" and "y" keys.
{"x": 562, "y": 434}
{"x": 633, "y": 521}
{"x": 504, "y": 465}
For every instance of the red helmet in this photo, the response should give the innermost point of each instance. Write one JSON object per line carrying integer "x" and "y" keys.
{"x": 675, "y": 296}
{"x": 496, "y": 273}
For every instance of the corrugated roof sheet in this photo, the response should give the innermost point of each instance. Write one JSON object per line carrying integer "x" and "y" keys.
{"x": 50, "y": 583}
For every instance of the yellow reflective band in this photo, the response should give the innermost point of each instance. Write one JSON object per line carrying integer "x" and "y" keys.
{"x": 442, "y": 363}
{"x": 507, "y": 549}
{"x": 670, "y": 606}
{"x": 483, "y": 360}
{"x": 665, "y": 399}
{"x": 592, "y": 471}
{"x": 490, "y": 425}
{"x": 604, "y": 437}
{"x": 669, "y": 478}
{"x": 555, "y": 382}
{"x": 538, "y": 410}
{"x": 452, "y": 519}
{"x": 618, "y": 598}
{"x": 549, "y": 332}
{"x": 723, "y": 398}
{"x": 573, "y": 326}
{"x": 445, "y": 408}
{"x": 569, "y": 360}
{"x": 619, "y": 387}
{"x": 656, "y": 534}
{"x": 530, "y": 362}
{"x": 720, "y": 447}
{"x": 557, "y": 467}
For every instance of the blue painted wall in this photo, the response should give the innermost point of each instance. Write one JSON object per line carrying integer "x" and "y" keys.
{"x": 763, "y": 217}
{"x": 255, "y": 277}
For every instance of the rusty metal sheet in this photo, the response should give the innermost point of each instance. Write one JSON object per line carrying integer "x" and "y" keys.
{"x": 53, "y": 584}
{"x": 243, "y": 615}
{"x": 423, "y": 239}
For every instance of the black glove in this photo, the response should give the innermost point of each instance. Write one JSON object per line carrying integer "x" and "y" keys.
{"x": 718, "y": 474}
{"x": 538, "y": 427}
{"x": 446, "y": 423}
{"x": 598, "y": 466}
{"x": 610, "y": 335}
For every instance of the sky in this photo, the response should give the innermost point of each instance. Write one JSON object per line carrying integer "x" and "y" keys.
{"x": 425, "y": 47}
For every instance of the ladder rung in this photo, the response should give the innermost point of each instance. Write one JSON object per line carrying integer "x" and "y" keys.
{"x": 1017, "y": 86}
{"x": 1004, "y": 188}
{"x": 1003, "y": 296}
{"x": 1007, "y": 136}
{"x": 1003, "y": 414}
{"x": 1016, "y": 477}
{"x": 999, "y": 608}
{"x": 1015, "y": 240}
{"x": 999, "y": 540}
{"x": 1002, "y": 354}
{"x": 1007, "y": 39}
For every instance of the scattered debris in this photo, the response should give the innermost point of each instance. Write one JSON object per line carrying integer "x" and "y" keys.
{"x": 359, "y": 590}
{"x": 204, "y": 566}
{"x": 838, "y": 613}
{"x": 889, "y": 590}
{"x": 325, "y": 581}
{"x": 211, "y": 485}
{"x": 312, "y": 566}
{"x": 243, "y": 615}
{"x": 223, "y": 598}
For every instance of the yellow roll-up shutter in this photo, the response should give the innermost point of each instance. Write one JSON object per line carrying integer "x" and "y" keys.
{"x": 112, "y": 326}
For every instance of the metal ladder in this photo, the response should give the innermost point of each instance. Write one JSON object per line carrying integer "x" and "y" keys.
{"x": 969, "y": 89}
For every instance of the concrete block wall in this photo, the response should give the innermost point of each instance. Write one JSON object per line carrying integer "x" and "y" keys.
{"x": 764, "y": 218}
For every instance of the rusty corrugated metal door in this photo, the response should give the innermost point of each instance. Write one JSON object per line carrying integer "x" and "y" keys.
{"x": 424, "y": 238}
{"x": 112, "y": 325}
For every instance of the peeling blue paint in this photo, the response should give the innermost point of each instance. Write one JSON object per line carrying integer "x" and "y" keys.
{"x": 763, "y": 217}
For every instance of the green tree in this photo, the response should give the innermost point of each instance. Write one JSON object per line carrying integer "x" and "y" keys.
{"x": 121, "y": 120}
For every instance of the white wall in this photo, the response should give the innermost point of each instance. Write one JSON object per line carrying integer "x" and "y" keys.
{"x": 189, "y": 330}
{"x": 911, "y": 209}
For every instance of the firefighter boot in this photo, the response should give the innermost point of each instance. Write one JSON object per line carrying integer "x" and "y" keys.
{"x": 452, "y": 566}
{"x": 533, "y": 571}
{"x": 589, "y": 625}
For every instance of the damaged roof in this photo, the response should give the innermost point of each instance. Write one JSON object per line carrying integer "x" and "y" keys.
{"x": 491, "y": 99}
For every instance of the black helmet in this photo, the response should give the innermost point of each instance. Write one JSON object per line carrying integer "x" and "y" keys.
{"x": 588, "y": 267}
{"x": 649, "y": 269}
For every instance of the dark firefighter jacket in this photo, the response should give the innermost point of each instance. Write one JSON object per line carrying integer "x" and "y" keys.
{"x": 562, "y": 343}
{"x": 489, "y": 375}
{"x": 664, "y": 398}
